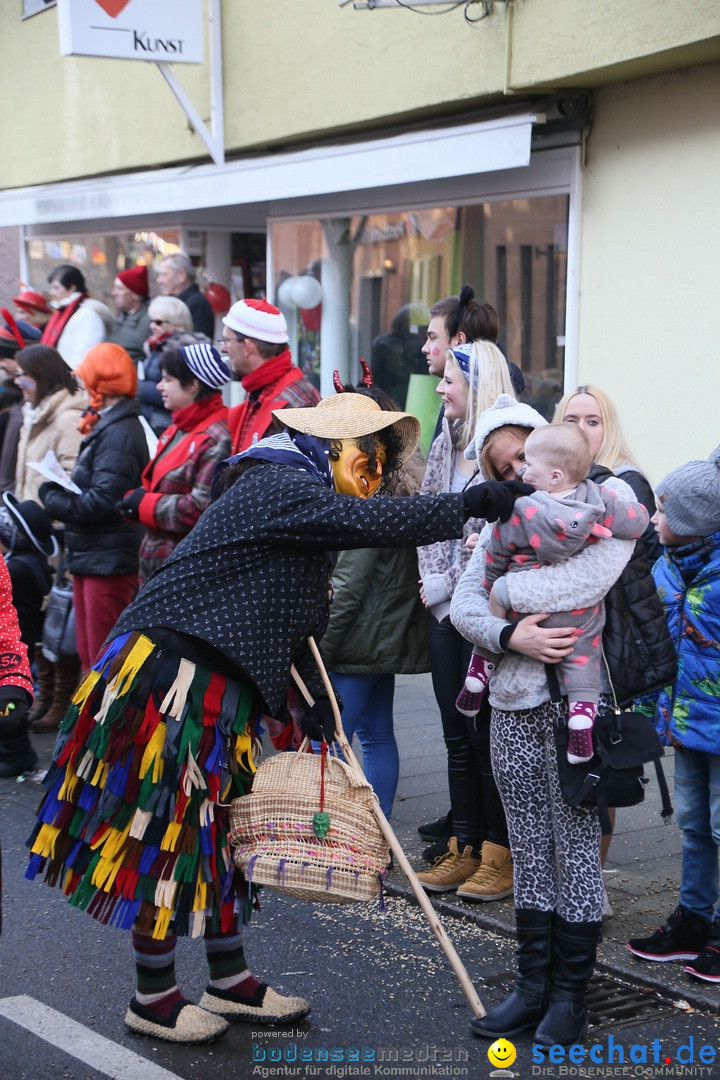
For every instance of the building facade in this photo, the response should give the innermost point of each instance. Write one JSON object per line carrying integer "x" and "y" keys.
{"x": 560, "y": 158}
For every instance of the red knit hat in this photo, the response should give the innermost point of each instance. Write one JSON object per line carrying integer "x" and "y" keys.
{"x": 31, "y": 301}
{"x": 135, "y": 279}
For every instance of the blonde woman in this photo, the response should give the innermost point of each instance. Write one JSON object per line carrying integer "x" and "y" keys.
{"x": 477, "y": 860}
{"x": 169, "y": 317}
{"x": 592, "y": 410}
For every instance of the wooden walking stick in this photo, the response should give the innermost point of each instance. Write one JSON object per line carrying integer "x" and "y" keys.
{"x": 420, "y": 895}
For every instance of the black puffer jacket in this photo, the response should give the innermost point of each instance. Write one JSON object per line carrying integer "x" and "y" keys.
{"x": 636, "y": 640}
{"x": 99, "y": 541}
{"x": 644, "y": 494}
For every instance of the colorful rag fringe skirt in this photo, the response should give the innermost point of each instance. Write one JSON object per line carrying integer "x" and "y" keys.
{"x": 132, "y": 827}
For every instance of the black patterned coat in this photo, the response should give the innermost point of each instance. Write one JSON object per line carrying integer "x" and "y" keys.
{"x": 252, "y": 577}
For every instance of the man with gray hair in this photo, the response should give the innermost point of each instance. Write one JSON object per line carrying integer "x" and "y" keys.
{"x": 176, "y": 277}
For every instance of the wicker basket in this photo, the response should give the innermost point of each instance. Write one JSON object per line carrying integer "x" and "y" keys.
{"x": 273, "y": 836}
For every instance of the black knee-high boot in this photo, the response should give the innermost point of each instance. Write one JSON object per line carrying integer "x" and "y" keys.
{"x": 574, "y": 949}
{"x": 528, "y": 1001}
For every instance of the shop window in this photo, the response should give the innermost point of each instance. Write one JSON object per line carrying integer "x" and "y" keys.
{"x": 384, "y": 271}
{"x": 99, "y": 257}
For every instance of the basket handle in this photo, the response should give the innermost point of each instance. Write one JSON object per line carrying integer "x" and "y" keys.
{"x": 386, "y": 829}
{"x": 340, "y": 736}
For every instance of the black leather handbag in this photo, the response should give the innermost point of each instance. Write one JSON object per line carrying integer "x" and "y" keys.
{"x": 624, "y": 742}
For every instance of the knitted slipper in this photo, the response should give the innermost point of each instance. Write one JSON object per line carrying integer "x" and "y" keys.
{"x": 264, "y": 1007}
{"x": 186, "y": 1024}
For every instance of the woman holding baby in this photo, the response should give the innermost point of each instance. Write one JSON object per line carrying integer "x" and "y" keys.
{"x": 558, "y": 880}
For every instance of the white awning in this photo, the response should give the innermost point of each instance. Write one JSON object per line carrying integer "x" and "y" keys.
{"x": 273, "y": 178}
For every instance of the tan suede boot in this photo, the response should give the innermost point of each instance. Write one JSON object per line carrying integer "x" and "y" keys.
{"x": 494, "y": 879}
{"x": 451, "y": 869}
{"x": 67, "y": 675}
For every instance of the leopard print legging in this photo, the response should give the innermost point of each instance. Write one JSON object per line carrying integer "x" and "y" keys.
{"x": 555, "y": 848}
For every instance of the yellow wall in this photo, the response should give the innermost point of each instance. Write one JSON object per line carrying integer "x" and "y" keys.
{"x": 294, "y": 71}
{"x": 649, "y": 311}
{"x": 590, "y": 42}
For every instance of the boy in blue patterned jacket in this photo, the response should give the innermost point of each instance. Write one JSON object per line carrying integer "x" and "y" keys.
{"x": 687, "y": 713}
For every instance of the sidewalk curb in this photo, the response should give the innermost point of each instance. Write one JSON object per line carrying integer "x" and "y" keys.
{"x": 667, "y": 979}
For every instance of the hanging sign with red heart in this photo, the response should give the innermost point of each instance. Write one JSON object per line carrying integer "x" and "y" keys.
{"x": 166, "y": 31}
{"x": 112, "y": 7}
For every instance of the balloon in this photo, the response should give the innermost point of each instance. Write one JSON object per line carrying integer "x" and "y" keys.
{"x": 218, "y": 297}
{"x": 307, "y": 291}
{"x": 301, "y": 291}
{"x": 311, "y": 317}
{"x": 284, "y": 293}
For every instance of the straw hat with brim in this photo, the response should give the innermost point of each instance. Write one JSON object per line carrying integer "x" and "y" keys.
{"x": 350, "y": 416}
{"x": 34, "y": 522}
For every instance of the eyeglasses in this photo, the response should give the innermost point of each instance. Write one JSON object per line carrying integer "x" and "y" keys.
{"x": 158, "y": 322}
{"x": 237, "y": 340}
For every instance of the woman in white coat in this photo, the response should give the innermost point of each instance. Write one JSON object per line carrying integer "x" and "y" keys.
{"x": 79, "y": 321}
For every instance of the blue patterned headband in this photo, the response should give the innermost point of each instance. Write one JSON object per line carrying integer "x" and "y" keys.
{"x": 462, "y": 354}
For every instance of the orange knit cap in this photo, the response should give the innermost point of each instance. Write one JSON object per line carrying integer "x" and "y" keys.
{"x": 106, "y": 370}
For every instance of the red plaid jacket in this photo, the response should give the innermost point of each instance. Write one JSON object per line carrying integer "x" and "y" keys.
{"x": 177, "y": 482}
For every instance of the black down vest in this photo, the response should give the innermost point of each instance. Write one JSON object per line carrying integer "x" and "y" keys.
{"x": 636, "y": 641}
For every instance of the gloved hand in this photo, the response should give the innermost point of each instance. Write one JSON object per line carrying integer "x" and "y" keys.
{"x": 47, "y": 486}
{"x": 129, "y": 505}
{"x": 318, "y": 723}
{"x": 14, "y": 706}
{"x": 494, "y": 499}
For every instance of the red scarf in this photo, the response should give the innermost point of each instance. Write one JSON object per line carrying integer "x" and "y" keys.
{"x": 59, "y": 320}
{"x": 193, "y": 415}
{"x": 268, "y": 372}
{"x": 156, "y": 340}
{"x": 264, "y": 387}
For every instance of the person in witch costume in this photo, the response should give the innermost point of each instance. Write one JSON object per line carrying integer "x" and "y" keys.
{"x": 134, "y": 825}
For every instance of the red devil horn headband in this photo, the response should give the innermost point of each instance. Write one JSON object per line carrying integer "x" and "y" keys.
{"x": 13, "y": 327}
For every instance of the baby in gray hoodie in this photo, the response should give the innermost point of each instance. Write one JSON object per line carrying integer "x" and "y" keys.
{"x": 566, "y": 513}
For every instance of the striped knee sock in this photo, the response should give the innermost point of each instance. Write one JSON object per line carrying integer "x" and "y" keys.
{"x": 228, "y": 967}
{"x": 157, "y": 989}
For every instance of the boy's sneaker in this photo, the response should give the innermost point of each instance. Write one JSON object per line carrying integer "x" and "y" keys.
{"x": 707, "y": 965}
{"x": 682, "y": 937}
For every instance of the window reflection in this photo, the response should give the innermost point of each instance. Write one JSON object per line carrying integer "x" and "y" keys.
{"x": 395, "y": 266}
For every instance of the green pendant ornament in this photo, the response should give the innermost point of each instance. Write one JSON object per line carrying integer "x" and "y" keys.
{"x": 321, "y": 824}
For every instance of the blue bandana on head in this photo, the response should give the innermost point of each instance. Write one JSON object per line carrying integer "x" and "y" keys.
{"x": 462, "y": 354}
{"x": 304, "y": 452}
